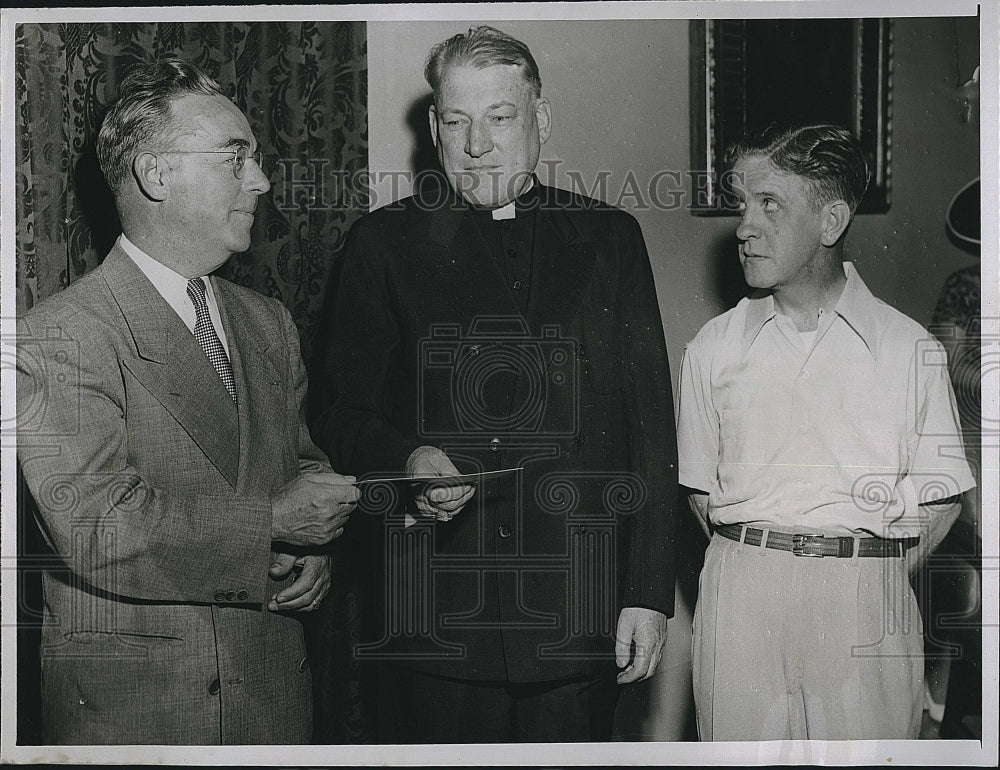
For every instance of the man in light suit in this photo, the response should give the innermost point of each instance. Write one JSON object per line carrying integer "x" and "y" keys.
{"x": 160, "y": 432}
{"x": 494, "y": 323}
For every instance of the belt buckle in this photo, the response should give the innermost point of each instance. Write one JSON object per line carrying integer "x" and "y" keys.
{"x": 801, "y": 542}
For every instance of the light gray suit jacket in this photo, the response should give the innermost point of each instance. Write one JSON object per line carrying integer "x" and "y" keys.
{"x": 154, "y": 490}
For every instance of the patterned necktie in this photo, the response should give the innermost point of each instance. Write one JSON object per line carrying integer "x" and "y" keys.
{"x": 204, "y": 332}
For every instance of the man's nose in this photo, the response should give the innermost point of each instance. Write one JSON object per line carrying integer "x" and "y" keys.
{"x": 479, "y": 142}
{"x": 745, "y": 229}
{"x": 254, "y": 178}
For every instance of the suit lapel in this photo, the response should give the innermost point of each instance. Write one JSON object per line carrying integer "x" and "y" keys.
{"x": 258, "y": 377}
{"x": 172, "y": 367}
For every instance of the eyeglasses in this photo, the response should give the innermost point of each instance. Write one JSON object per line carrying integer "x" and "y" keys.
{"x": 240, "y": 156}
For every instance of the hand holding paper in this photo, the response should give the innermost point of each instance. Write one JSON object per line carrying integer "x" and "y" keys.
{"x": 442, "y": 500}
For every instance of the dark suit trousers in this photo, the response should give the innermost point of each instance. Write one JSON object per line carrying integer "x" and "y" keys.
{"x": 421, "y": 708}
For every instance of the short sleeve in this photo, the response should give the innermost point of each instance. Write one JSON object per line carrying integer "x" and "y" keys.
{"x": 938, "y": 466}
{"x": 697, "y": 421}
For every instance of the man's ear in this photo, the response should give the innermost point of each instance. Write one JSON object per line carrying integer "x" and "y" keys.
{"x": 543, "y": 114}
{"x": 150, "y": 175}
{"x": 836, "y": 218}
{"x": 432, "y": 119}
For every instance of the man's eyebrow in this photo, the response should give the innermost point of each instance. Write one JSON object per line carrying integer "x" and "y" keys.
{"x": 496, "y": 105}
{"x": 236, "y": 142}
{"x": 767, "y": 192}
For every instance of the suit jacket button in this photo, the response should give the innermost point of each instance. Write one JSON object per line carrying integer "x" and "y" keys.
{"x": 230, "y": 596}
{"x": 504, "y": 531}
{"x": 220, "y": 596}
{"x": 494, "y": 445}
{"x": 213, "y": 689}
{"x": 473, "y": 350}
{"x": 243, "y": 595}
{"x": 303, "y": 664}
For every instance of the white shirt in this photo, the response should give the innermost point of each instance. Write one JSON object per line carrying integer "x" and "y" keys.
{"x": 846, "y": 435}
{"x": 172, "y": 286}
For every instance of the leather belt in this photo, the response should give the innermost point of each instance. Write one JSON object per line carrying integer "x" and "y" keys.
{"x": 819, "y": 545}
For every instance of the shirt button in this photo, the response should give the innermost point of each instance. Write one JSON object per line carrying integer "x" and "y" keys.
{"x": 494, "y": 445}
{"x": 504, "y": 531}
{"x": 517, "y": 285}
{"x": 805, "y": 375}
{"x": 213, "y": 688}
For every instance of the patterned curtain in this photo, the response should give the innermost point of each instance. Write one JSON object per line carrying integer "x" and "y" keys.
{"x": 303, "y": 87}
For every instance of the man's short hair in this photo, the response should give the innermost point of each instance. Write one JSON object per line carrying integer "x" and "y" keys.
{"x": 481, "y": 47}
{"x": 829, "y": 156}
{"x": 142, "y": 112}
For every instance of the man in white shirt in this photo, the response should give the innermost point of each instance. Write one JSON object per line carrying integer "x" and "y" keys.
{"x": 818, "y": 439}
{"x": 160, "y": 431}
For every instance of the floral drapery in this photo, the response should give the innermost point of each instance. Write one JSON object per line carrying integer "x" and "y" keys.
{"x": 303, "y": 87}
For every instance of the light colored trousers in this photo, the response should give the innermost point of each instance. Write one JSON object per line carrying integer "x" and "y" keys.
{"x": 790, "y": 647}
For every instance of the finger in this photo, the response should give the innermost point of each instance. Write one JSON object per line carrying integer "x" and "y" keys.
{"x": 450, "y": 506}
{"x": 442, "y": 465}
{"x": 343, "y": 495}
{"x": 627, "y": 676}
{"x": 443, "y": 493}
{"x": 311, "y": 572}
{"x": 454, "y": 498}
{"x": 654, "y": 661}
{"x": 310, "y": 599}
{"x": 324, "y": 585}
{"x": 640, "y": 663}
{"x": 281, "y": 565}
{"x": 623, "y": 644}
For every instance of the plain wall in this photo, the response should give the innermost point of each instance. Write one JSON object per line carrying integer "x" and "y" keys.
{"x": 619, "y": 95}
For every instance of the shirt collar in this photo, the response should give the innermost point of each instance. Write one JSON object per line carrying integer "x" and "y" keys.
{"x": 170, "y": 284}
{"x": 856, "y": 305}
{"x": 161, "y": 276}
{"x": 522, "y": 201}
{"x": 760, "y": 310}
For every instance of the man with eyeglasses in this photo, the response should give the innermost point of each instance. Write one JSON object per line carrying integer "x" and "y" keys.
{"x": 160, "y": 432}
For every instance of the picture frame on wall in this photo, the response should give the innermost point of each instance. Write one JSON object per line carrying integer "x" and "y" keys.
{"x": 749, "y": 73}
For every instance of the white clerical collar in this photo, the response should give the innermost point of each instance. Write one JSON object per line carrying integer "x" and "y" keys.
{"x": 509, "y": 211}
